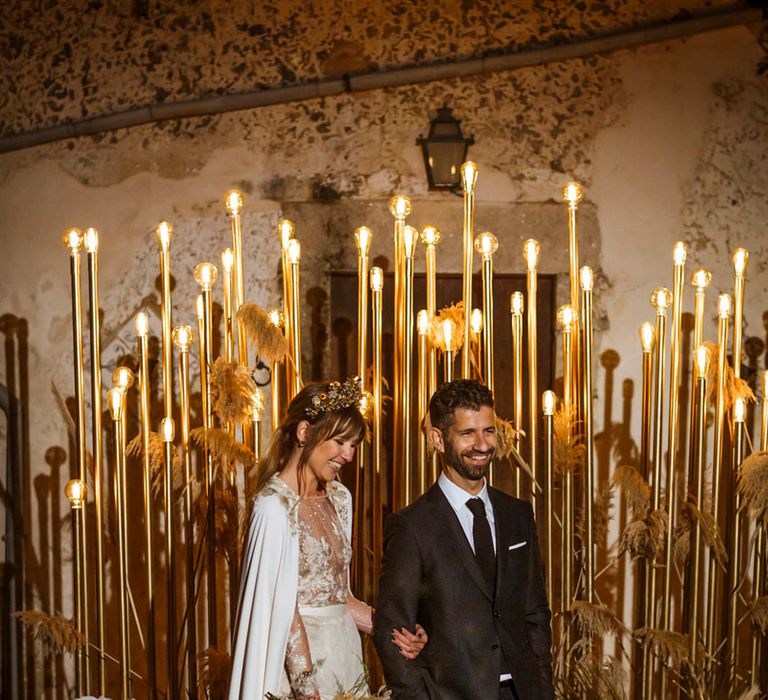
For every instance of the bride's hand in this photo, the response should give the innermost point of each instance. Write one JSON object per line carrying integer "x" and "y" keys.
{"x": 410, "y": 644}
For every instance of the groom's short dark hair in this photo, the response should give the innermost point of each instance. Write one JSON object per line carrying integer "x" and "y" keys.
{"x": 460, "y": 393}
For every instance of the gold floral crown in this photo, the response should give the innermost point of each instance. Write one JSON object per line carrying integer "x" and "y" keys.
{"x": 338, "y": 396}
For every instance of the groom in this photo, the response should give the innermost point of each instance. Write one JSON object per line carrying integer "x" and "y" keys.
{"x": 463, "y": 561}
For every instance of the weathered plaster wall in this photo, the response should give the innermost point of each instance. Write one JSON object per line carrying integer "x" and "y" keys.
{"x": 668, "y": 140}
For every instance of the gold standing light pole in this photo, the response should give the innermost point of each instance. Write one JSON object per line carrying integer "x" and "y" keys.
{"x": 648, "y": 343}
{"x": 91, "y": 241}
{"x": 661, "y": 299}
{"x": 73, "y": 240}
{"x": 205, "y": 276}
{"x": 278, "y": 320}
{"x": 476, "y": 325}
{"x": 486, "y": 245}
{"x": 430, "y": 237}
{"x": 531, "y": 255}
{"x": 233, "y": 203}
{"x": 740, "y": 260}
{"x": 566, "y": 319}
{"x": 142, "y": 333}
{"x": 377, "y": 287}
{"x": 678, "y": 256}
{"x": 286, "y": 231}
{"x": 257, "y": 411}
{"x": 422, "y": 326}
{"x": 294, "y": 258}
{"x": 167, "y": 432}
{"x": 699, "y": 464}
{"x": 164, "y": 235}
{"x": 116, "y": 403}
{"x": 75, "y": 491}
{"x": 227, "y": 264}
{"x": 516, "y": 304}
{"x": 448, "y": 329}
{"x": 587, "y": 279}
{"x": 573, "y": 193}
{"x": 700, "y": 279}
{"x": 410, "y": 238}
{"x": 724, "y": 312}
{"x": 468, "y": 182}
{"x": 183, "y": 337}
{"x": 548, "y": 401}
{"x": 734, "y": 560}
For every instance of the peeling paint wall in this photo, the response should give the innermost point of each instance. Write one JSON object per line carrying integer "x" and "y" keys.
{"x": 669, "y": 141}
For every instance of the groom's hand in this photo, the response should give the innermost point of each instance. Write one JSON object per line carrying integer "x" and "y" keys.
{"x": 410, "y": 644}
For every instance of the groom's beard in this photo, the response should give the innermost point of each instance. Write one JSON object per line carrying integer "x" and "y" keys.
{"x": 463, "y": 464}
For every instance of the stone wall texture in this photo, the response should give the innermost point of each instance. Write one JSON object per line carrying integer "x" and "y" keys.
{"x": 668, "y": 140}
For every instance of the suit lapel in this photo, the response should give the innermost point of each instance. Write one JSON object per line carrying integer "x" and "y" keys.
{"x": 447, "y": 516}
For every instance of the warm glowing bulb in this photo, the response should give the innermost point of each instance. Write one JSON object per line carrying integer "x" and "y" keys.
{"x": 469, "y": 176}
{"x": 257, "y": 404}
{"x": 227, "y": 260}
{"x": 486, "y": 244}
{"x": 200, "y": 307}
{"x": 566, "y": 317}
{"x": 115, "y": 402}
{"x": 422, "y": 322}
{"x": 410, "y": 236}
{"x": 661, "y": 298}
{"x": 516, "y": 303}
{"x": 167, "y": 429}
{"x": 294, "y": 251}
{"x": 286, "y": 229}
{"x": 377, "y": 279}
{"x": 448, "y": 333}
{"x": 142, "y": 324}
{"x": 366, "y": 404}
{"x": 531, "y": 254}
{"x": 75, "y": 491}
{"x": 73, "y": 239}
{"x": 739, "y": 409}
{"x": 183, "y": 336}
{"x": 740, "y": 260}
{"x": 724, "y": 305}
{"x": 430, "y": 235}
{"x": 647, "y": 336}
{"x": 679, "y": 253}
{"x": 548, "y": 401}
{"x": 164, "y": 234}
{"x": 701, "y": 360}
{"x": 233, "y": 202}
{"x": 587, "y": 278}
{"x": 400, "y": 206}
{"x": 701, "y": 279}
{"x": 276, "y": 318}
{"x": 573, "y": 193}
{"x": 91, "y": 240}
{"x": 476, "y": 321}
{"x": 206, "y": 275}
{"x": 363, "y": 237}
{"x": 122, "y": 378}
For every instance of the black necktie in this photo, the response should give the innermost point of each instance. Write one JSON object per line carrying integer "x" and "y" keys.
{"x": 481, "y": 534}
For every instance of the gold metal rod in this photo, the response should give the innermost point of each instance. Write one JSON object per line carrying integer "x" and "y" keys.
{"x": 275, "y": 403}
{"x": 213, "y": 632}
{"x": 286, "y": 231}
{"x": 234, "y": 202}
{"x": 531, "y": 255}
{"x": 469, "y": 181}
{"x": 407, "y": 350}
{"x": 430, "y": 236}
{"x": 740, "y": 259}
{"x": 116, "y": 400}
{"x": 377, "y": 285}
{"x": 164, "y": 235}
{"x": 589, "y": 465}
{"x": 294, "y": 257}
{"x": 422, "y": 325}
{"x": 184, "y": 337}
{"x": 73, "y": 239}
{"x": 672, "y": 435}
{"x": 699, "y": 464}
{"x": 142, "y": 331}
{"x": 227, "y": 261}
{"x": 75, "y": 491}
{"x": 573, "y": 193}
{"x": 700, "y": 279}
{"x": 91, "y": 240}
{"x": 661, "y": 300}
{"x": 566, "y": 322}
{"x": 734, "y": 554}
{"x": 516, "y": 308}
{"x": 167, "y": 432}
{"x": 548, "y": 402}
{"x": 448, "y": 368}
{"x": 711, "y": 618}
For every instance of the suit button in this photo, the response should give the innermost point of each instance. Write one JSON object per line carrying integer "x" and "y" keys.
{"x": 494, "y": 647}
{"x": 496, "y": 613}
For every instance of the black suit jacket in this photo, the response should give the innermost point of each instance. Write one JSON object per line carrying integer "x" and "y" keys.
{"x": 430, "y": 576}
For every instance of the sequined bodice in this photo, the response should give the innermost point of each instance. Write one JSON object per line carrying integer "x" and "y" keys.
{"x": 324, "y": 554}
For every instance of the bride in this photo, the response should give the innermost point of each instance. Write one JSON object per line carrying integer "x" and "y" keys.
{"x": 297, "y": 625}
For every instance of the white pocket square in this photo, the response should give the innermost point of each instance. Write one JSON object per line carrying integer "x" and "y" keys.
{"x": 518, "y": 545}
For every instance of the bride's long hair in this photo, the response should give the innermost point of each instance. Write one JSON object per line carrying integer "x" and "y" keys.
{"x": 324, "y": 425}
